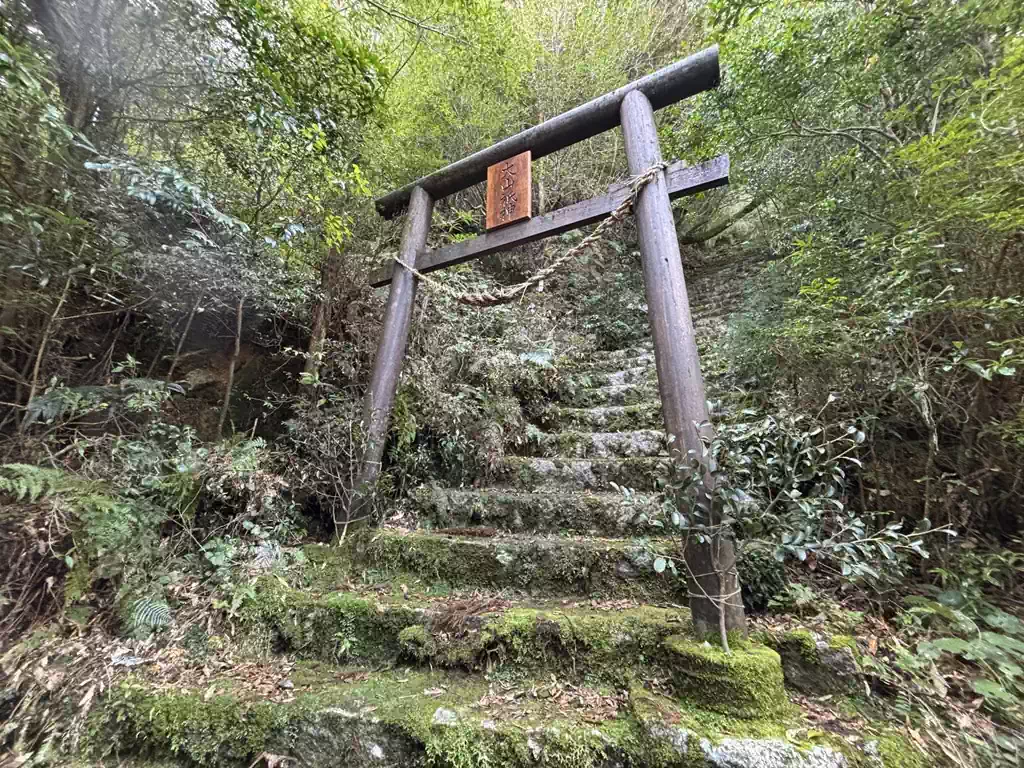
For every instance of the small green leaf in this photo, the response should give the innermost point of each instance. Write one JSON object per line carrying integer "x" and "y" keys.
{"x": 660, "y": 564}
{"x": 933, "y": 648}
{"x": 993, "y": 690}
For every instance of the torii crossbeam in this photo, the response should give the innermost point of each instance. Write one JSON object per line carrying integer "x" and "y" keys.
{"x": 680, "y": 383}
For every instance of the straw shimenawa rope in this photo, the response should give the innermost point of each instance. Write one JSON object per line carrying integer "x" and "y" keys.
{"x": 513, "y": 292}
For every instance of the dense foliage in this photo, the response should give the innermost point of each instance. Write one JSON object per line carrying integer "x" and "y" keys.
{"x": 186, "y": 228}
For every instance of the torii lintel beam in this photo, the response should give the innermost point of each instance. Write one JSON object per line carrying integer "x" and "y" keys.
{"x": 681, "y": 179}
{"x": 674, "y": 83}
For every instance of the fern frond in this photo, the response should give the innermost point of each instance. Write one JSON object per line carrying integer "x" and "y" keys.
{"x": 150, "y": 613}
{"x": 27, "y": 482}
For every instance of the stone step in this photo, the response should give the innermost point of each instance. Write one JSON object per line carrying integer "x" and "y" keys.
{"x": 613, "y": 394}
{"x": 725, "y": 408}
{"x": 601, "y": 445}
{"x": 594, "y": 393}
{"x": 542, "y": 565}
{"x": 629, "y": 375}
{"x": 484, "y": 631}
{"x": 531, "y": 474}
{"x": 362, "y": 718}
{"x": 634, "y": 358}
{"x": 606, "y": 513}
{"x": 637, "y": 350}
{"x": 645, "y": 415}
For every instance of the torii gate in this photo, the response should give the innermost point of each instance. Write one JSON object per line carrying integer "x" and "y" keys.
{"x": 680, "y": 383}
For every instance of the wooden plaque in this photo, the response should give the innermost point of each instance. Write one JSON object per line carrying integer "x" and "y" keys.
{"x": 509, "y": 191}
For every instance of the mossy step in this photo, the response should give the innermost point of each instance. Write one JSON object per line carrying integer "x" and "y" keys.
{"x": 551, "y": 565}
{"x": 522, "y": 511}
{"x": 567, "y": 473}
{"x": 642, "y": 348}
{"x": 609, "y": 418}
{"x": 601, "y": 445}
{"x": 727, "y": 408}
{"x": 607, "y": 642}
{"x": 358, "y": 719}
{"x": 614, "y": 394}
{"x": 631, "y": 374}
{"x": 598, "y": 364}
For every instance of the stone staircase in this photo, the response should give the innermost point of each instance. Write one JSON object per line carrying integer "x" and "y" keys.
{"x": 519, "y": 624}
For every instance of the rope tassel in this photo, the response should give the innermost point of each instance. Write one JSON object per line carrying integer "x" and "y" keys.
{"x": 513, "y": 292}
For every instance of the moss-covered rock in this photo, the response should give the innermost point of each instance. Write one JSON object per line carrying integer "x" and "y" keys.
{"x": 613, "y": 394}
{"x": 581, "y": 474}
{"x": 576, "y": 643}
{"x": 540, "y": 564}
{"x": 816, "y": 666}
{"x": 605, "y": 444}
{"x": 605, "y": 418}
{"x": 627, "y": 357}
{"x": 427, "y": 718}
{"x": 334, "y": 627}
{"x": 631, "y": 371}
{"x": 747, "y": 682}
{"x": 520, "y": 511}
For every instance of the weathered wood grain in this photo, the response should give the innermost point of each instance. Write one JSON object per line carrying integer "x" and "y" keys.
{"x": 675, "y": 82}
{"x": 509, "y": 192}
{"x": 387, "y": 365}
{"x": 682, "y": 180}
{"x": 675, "y": 353}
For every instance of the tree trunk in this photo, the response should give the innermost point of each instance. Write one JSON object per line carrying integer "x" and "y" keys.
{"x": 713, "y": 586}
{"x": 41, "y": 352}
{"x": 184, "y": 335}
{"x": 231, "y": 368}
{"x": 322, "y": 313}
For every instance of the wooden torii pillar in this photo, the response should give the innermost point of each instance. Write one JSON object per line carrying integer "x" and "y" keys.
{"x": 680, "y": 383}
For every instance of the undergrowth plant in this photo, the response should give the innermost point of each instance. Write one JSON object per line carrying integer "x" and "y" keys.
{"x": 786, "y": 481}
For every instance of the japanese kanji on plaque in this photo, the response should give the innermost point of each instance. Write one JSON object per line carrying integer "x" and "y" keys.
{"x": 508, "y": 191}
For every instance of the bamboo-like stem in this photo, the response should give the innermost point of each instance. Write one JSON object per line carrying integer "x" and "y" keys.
{"x": 231, "y": 368}
{"x": 184, "y": 335}
{"x": 34, "y": 386}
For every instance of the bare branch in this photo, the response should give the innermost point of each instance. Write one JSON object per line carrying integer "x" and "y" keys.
{"x": 693, "y": 236}
{"x": 415, "y": 22}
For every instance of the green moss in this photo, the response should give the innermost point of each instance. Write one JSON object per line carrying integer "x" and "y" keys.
{"x": 556, "y": 565}
{"x": 746, "y": 682}
{"x": 631, "y": 394}
{"x": 337, "y": 627}
{"x": 897, "y": 752}
{"x": 577, "y": 642}
{"x": 220, "y": 730}
{"x": 520, "y": 511}
{"x": 800, "y": 640}
{"x": 331, "y": 724}
{"x": 417, "y": 642}
{"x": 640, "y": 416}
{"x": 636, "y": 472}
{"x": 843, "y": 641}
{"x": 459, "y": 747}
